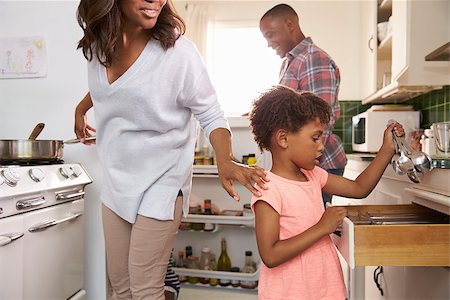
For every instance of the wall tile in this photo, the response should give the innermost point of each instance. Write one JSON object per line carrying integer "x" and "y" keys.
{"x": 435, "y": 107}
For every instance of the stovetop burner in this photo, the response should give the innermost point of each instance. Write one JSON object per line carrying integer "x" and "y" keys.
{"x": 31, "y": 163}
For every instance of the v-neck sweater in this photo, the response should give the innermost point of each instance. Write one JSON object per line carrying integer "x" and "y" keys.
{"x": 146, "y": 129}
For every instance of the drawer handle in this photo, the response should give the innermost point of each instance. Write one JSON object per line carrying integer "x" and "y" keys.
{"x": 69, "y": 196}
{"x": 47, "y": 224}
{"x": 8, "y": 238}
{"x": 23, "y": 204}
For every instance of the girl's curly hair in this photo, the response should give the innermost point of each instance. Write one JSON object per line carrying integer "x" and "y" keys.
{"x": 101, "y": 22}
{"x": 284, "y": 108}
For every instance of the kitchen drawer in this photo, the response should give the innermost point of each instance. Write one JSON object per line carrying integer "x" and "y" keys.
{"x": 364, "y": 241}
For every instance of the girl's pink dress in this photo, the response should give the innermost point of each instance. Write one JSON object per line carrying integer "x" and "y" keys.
{"x": 316, "y": 273}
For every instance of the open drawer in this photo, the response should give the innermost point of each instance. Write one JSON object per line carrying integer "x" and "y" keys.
{"x": 394, "y": 235}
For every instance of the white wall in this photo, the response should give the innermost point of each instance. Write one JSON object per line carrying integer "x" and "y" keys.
{"x": 334, "y": 25}
{"x": 25, "y": 102}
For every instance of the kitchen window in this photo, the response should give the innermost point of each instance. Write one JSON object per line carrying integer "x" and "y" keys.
{"x": 240, "y": 65}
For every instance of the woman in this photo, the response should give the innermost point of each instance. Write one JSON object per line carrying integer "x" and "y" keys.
{"x": 146, "y": 82}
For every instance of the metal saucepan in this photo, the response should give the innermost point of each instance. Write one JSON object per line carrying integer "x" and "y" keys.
{"x": 33, "y": 150}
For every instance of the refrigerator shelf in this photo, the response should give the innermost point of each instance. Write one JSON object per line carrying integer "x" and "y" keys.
{"x": 220, "y": 219}
{"x": 187, "y": 285}
{"x": 205, "y": 171}
{"x": 219, "y": 274}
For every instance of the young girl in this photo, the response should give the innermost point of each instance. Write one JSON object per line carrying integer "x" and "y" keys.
{"x": 292, "y": 225}
{"x": 147, "y": 83}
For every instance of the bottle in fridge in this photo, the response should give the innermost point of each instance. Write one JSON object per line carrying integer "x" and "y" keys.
{"x": 224, "y": 263}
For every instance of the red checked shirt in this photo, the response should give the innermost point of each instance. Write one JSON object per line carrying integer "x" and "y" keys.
{"x": 309, "y": 68}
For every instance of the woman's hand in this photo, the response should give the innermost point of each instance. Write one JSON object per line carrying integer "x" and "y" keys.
{"x": 81, "y": 128}
{"x": 230, "y": 171}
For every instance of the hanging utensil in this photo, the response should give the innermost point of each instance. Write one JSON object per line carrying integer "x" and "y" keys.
{"x": 404, "y": 163}
{"x": 415, "y": 175}
{"x": 36, "y": 131}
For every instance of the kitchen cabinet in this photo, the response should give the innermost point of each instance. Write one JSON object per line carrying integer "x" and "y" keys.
{"x": 394, "y": 235}
{"x": 413, "y": 256}
{"x": 396, "y": 66}
{"x": 237, "y": 230}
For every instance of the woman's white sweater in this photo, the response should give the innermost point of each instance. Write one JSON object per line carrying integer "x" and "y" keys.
{"x": 146, "y": 130}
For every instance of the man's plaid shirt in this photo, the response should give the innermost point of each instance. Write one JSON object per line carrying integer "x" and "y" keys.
{"x": 309, "y": 68}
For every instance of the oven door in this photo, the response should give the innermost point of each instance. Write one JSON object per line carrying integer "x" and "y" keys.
{"x": 54, "y": 251}
{"x": 11, "y": 262}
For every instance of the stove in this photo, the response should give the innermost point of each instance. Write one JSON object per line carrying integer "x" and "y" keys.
{"x": 42, "y": 230}
{"x": 4, "y": 163}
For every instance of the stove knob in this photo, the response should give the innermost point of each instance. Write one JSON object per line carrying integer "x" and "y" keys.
{"x": 76, "y": 171}
{"x": 11, "y": 176}
{"x": 36, "y": 174}
{"x": 66, "y": 171}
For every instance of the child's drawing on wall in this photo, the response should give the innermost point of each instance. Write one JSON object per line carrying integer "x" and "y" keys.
{"x": 23, "y": 57}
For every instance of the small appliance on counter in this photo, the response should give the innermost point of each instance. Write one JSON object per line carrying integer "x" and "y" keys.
{"x": 441, "y": 133}
{"x": 368, "y": 127}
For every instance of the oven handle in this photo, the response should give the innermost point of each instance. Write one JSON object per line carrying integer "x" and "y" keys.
{"x": 69, "y": 196}
{"x": 8, "y": 238}
{"x": 47, "y": 224}
{"x": 23, "y": 204}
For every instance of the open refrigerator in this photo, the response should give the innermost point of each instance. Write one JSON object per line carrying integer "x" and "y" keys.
{"x": 238, "y": 231}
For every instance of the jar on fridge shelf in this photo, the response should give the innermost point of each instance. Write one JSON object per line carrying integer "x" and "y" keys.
{"x": 251, "y": 159}
{"x": 250, "y": 267}
{"x": 247, "y": 210}
{"x": 181, "y": 264}
{"x": 196, "y": 210}
{"x": 193, "y": 264}
{"x": 208, "y": 211}
{"x": 235, "y": 282}
{"x": 205, "y": 263}
{"x": 213, "y": 281}
{"x": 184, "y": 226}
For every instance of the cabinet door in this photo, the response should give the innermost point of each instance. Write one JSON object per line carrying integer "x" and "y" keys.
{"x": 400, "y": 34}
{"x": 369, "y": 46}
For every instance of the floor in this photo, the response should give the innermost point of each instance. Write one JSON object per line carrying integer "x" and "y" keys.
{"x": 192, "y": 292}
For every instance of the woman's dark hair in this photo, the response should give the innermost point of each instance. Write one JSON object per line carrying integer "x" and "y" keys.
{"x": 284, "y": 108}
{"x": 101, "y": 22}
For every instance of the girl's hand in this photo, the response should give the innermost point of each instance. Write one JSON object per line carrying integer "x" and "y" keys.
{"x": 332, "y": 218}
{"x": 231, "y": 171}
{"x": 392, "y": 128}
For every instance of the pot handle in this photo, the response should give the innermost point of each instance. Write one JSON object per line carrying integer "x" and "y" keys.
{"x": 76, "y": 141}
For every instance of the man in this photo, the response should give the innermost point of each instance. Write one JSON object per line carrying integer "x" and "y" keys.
{"x": 306, "y": 67}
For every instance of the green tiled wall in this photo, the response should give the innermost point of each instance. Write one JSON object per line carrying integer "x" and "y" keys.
{"x": 435, "y": 107}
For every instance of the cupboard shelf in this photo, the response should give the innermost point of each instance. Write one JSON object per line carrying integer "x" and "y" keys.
{"x": 219, "y": 219}
{"x": 385, "y": 48}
